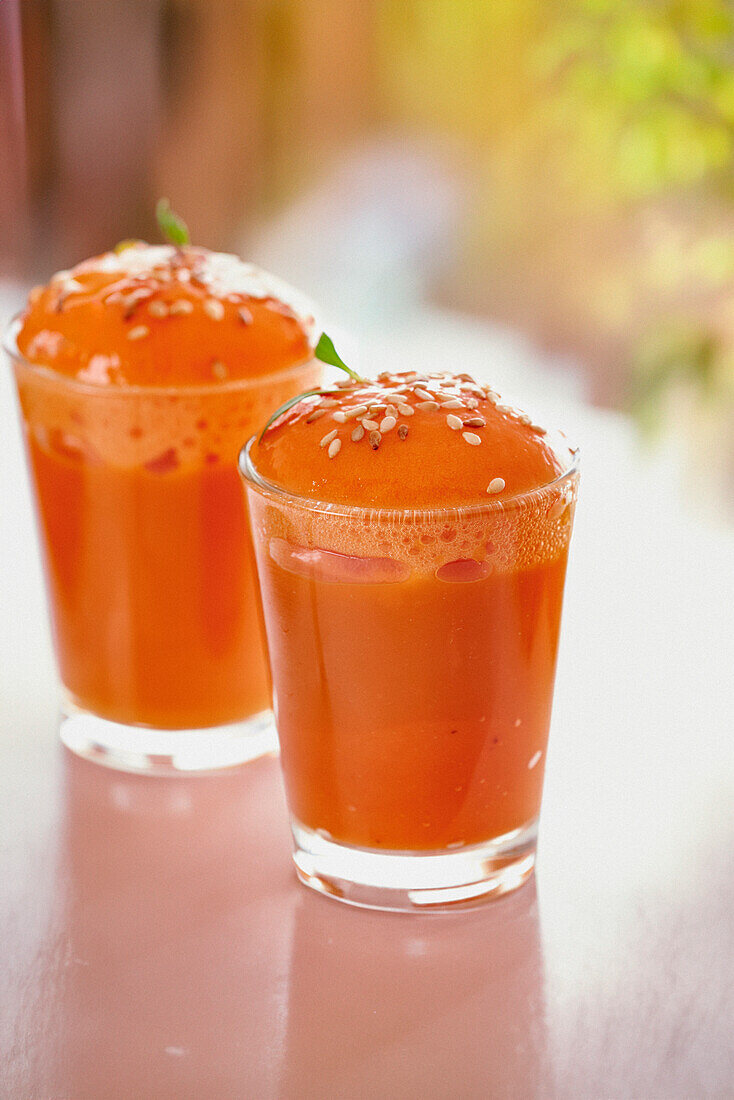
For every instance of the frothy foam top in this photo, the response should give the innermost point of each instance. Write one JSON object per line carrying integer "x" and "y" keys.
{"x": 408, "y": 441}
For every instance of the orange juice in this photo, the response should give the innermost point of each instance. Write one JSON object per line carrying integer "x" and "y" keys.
{"x": 138, "y": 372}
{"x": 412, "y": 538}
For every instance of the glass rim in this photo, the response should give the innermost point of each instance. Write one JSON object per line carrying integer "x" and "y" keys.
{"x": 255, "y": 479}
{"x": 48, "y": 374}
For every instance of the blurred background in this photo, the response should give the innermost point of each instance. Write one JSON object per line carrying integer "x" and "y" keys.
{"x": 542, "y": 187}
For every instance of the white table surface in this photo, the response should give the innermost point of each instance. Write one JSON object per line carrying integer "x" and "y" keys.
{"x": 635, "y": 879}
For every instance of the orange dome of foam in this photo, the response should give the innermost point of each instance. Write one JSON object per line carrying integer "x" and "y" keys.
{"x": 159, "y": 316}
{"x": 406, "y": 441}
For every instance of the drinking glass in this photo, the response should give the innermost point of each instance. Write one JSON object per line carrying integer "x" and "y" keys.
{"x": 413, "y": 655}
{"x": 150, "y": 576}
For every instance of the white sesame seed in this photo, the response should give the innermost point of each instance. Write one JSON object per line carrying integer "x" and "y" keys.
{"x": 387, "y": 424}
{"x": 391, "y": 411}
{"x": 471, "y": 438}
{"x": 214, "y": 309}
{"x": 406, "y": 410}
{"x": 334, "y": 447}
{"x": 428, "y": 406}
{"x": 328, "y": 437}
{"x": 374, "y": 410}
{"x": 370, "y": 425}
{"x": 534, "y": 759}
{"x": 218, "y": 369}
{"x": 356, "y": 410}
{"x": 496, "y": 485}
{"x": 329, "y": 403}
{"x": 71, "y": 286}
{"x": 524, "y": 418}
{"x": 423, "y": 394}
{"x": 452, "y": 403}
{"x": 358, "y": 434}
{"x": 157, "y": 308}
{"x": 184, "y": 275}
{"x": 475, "y": 422}
{"x": 183, "y": 305}
{"x": 454, "y": 422}
{"x": 340, "y": 416}
{"x": 245, "y": 315}
{"x": 315, "y": 415}
{"x": 138, "y": 332}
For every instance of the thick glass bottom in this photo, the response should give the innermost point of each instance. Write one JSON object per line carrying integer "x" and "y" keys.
{"x": 166, "y": 752}
{"x": 415, "y": 882}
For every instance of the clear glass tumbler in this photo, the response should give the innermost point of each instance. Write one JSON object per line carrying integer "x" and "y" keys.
{"x": 151, "y": 582}
{"x": 413, "y": 656}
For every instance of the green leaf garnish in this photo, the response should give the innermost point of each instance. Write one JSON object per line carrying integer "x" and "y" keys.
{"x": 173, "y": 228}
{"x": 327, "y": 353}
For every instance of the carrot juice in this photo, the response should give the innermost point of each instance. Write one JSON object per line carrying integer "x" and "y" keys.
{"x": 137, "y": 372}
{"x": 412, "y": 536}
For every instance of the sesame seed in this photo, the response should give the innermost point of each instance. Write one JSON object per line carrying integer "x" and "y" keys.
{"x": 476, "y": 422}
{"x": 315, "y": 415}
{"x": 391, "y": 410}
{"x": 138, "y": 332}
{"x": 344, "y": 383}
{"x": 328, "y": 437}
{"x": 183, "y": 305}
{"x": 329, "y": 403}
{"x": 340, "y": 416}
{"x": 454, "y": 422}
{"x": 356, "y": 410}
{"x": 218, "y": 369}
{"x": 465, "y": 378}
{"x": 183, "y": 275}
{"x": 244, "y": 315}
{"x": 375, "y": 439}
{"x": 402, "y": 431}
{"x": 406, "y": 410}
{"x": 157, "y": 308}
{"x": 388, "y": 424}
{"x": 452, "y": 403}
{"x": 473, "y": 440}
{"x": 358, "y": 434}
{"x": 428, "y": 406}
{"x": 214, "y": 309}
{"x": 534, "y": 759}
{"x": 334, "y": 447}
{"x": 375, "y": 410}
{"x": 370, "y": 425}
{"x": 524, "y": 418}
{"x": 423, "y": 394}
{"x": 471, "y": 403}
{"x": 71, "y": 286}
{"x": 496, "y": 485}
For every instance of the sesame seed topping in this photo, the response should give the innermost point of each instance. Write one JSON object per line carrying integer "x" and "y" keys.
{"x": 375, "y": 439}
{"x": 329, "y": 403}
{"x": 138, "y": 332}
{"x": 402, "y": 431}
{"x": 218, "y": 369}
{"x": 428, "y": 406}
{"x": 423, "y": 394}
{"x": 374, "y": 410}
{"x": 388, "y": 424}
{"x": 473, "y": 440}
{"x": 315, "y": 415}
{"x": 476, "y": 422}
{"x": 534, "y": 759}
{"x": 214, "y": 309}
{"x": 157, "y": 308}
{"x": 454, "y": 422}
{"x": 471, "y": 403}
{"x": 358, "y": 434}
{"x": 328, "y": 437}
{"x": 452, "y": 403}
{"x": 496, "y": 485}
{"x": 340, "y": 416}
{"x": 244, "y": 315}
{"x": 406, "y": 410}
{"x": 356, "y": 410}
{"x": 334, "y": 447}
{"x": 344, "y": 383}
{"x": 183, "y": 305}
{"x": 391, "y": 411}
{"x": 370, "y": 425}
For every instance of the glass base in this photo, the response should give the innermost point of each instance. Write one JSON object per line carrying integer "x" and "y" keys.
{"x": 166, "y": 752}
{"x": 415, "y": 882}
